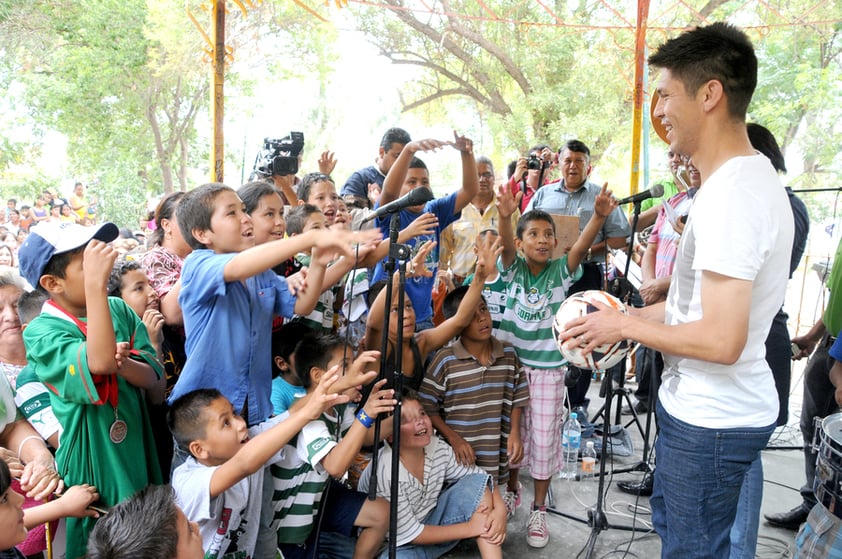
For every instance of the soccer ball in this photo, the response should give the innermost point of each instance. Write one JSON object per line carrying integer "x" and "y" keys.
{"x": 580, "y": 304}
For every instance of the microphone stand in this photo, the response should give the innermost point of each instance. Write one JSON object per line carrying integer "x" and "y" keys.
{"x": 648, "y": 365}
{"x": 398, "y": 256}
{"x": 597, "y": 519}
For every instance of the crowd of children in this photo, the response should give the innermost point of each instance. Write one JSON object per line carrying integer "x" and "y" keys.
{"x": 240, "y": 356}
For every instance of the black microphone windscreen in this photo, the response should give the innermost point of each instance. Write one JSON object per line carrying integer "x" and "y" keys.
{"x": 421, "y": 195}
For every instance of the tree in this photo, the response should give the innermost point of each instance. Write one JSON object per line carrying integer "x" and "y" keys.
{"x": 563, "y": 70}
{"x": 126, "y": 92}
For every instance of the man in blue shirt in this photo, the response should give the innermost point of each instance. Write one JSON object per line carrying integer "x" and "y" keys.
{"x": 391, "y": 145}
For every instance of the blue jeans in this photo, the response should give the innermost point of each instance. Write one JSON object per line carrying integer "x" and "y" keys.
{"x": 456, "y": 504}
{"x": 747, "y": 522}
{"x": 697, "y": 485}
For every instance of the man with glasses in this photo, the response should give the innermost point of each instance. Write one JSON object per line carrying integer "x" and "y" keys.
{"x": 459, "y": 239}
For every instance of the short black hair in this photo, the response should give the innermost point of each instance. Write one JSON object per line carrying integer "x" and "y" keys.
{"x": 196, "y": 210}
{"x": 416, "y": 163}
{"x": 253, "y": 192}
{"x": 394, "y": 136}
{"x": 510, "y": 168}
{"x": 307, "y": 182}
{"x": 577, "y": 146}
{"x": 285, "y": 339}
{"x": 453, "y": 299}
{"x": 314, "y": 350}
{"x": 533, "y": 215}
{"x": 5, "y": 477}
{"x": 186, "y": 416}
{"x": 57, "y": 265}
{"x": 30, "y": 304}
{"x": 143, "y": 525}
{"x": 719, "y": 52}
{"x": 297, "y": 218}
{"x": 764, "y": 141}
{"x": 374, "y": 290}
{"x": 121, "y": 267}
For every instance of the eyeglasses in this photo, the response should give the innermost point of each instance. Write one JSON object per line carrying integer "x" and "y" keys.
{"x": 486, "y": 176}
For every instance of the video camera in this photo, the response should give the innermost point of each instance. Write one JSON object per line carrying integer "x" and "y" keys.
{"x": 279, "y": 156}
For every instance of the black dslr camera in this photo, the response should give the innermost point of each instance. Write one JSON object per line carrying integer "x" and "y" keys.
{"x": 280, "y": 156}
{"x": 534, "y": 162}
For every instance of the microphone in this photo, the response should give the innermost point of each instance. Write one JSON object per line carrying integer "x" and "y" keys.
{"x": 656, "y": 191}
{"x": 414, "y": 197}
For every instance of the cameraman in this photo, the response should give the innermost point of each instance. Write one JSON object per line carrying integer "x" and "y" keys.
{"x": 532, "y": 172}
{"x": 280, "y": 160}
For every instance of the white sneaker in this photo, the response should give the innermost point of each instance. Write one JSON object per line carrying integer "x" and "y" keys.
{"x": 537, "y": 534}
{"x": 512, "y": 500}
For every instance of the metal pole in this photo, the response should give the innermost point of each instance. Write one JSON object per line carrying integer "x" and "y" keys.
{"x": 217, "y": 92}
{"x": 639, "y": 68}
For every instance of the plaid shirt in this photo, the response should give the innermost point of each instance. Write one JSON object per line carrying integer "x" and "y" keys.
{"x": 459, "y": 238}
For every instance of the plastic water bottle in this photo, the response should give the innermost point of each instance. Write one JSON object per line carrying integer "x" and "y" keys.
{"x": 571, "y": 436}
{"x": 588, "y": 462}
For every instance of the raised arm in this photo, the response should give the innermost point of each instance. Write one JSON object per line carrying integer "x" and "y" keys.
{"x": 470, "y": 179}
{"x": 603, "y": 206}
{"x": 260, "y": 258}
{"x": 98, "y": 260}
{"x": 339, "y": 459}
{"x": 507, "y": 203}
{"x": 254, "y": 454}
{"x": 434, "y": 338}
{"x": 397, "y": 174}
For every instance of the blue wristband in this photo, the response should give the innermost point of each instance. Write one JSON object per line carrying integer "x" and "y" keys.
{"x": 365, "y": 419}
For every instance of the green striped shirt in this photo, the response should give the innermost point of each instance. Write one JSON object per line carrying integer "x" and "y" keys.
{"x": 531, "y": 304}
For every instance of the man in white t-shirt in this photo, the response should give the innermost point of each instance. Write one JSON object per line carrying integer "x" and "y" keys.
{"x": 717, "y": 403}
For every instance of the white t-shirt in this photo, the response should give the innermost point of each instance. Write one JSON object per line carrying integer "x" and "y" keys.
{"x": 740, "y": 226}
{"x": 229, "y": 522}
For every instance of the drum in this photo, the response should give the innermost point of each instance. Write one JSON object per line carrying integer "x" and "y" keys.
{"x": 828, "y": 482}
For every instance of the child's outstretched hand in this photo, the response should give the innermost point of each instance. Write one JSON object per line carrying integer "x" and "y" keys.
{"x": 343, "y": 241}
{"x": 487, "y": 255}
{"x": 98, "y": 260}
{"x": 507, "y": 202}
{"x": 418, "y": 265}
{"x": 428, "y": 144}
{"x": 424, "y": 224}
{"x": 463, "y": 143}
{"x": 380, "y": 401}
{"x": 320, "y": 399}
{"x": 327, "y": 162}
{"x": 605, "y": 202}
{"x": 76, "y": 500}
{"x": 359, "y": 372}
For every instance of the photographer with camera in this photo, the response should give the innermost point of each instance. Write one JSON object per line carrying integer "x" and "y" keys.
{"x": 279, "y": 160}
{"x": 532, "y": 171}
